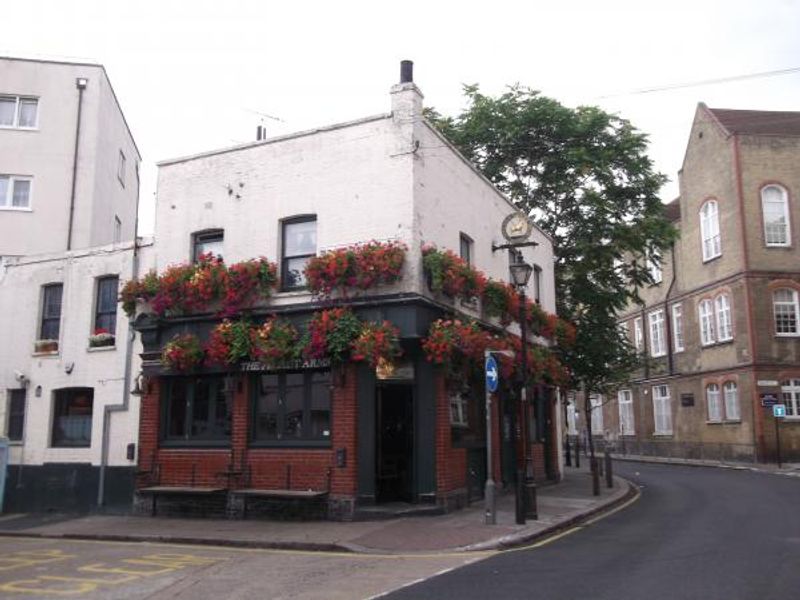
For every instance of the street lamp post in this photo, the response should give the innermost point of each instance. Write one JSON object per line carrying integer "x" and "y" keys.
{"x": 520, "y": 274}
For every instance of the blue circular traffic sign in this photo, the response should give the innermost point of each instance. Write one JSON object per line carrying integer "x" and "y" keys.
{"x": 492, "y": 375}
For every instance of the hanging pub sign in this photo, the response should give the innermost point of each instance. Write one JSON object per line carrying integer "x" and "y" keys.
{"x": 290, "y": 365}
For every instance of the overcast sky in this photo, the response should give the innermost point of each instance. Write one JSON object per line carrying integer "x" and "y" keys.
{"x": 193, "y": 76}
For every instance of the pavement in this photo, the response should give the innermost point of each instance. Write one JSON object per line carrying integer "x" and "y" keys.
{"x": 786, "y": 469}
{"x": 560, "y": 506}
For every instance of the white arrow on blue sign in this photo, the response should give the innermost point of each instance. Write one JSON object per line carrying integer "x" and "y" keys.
{"x": 492, "y": 376}
{"x": 779, "y": 411}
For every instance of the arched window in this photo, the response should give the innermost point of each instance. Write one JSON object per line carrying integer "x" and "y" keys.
{"x": 731, "y": 391}
{"x": 787, "y": 311}
{"x": 709, "y": 230}
{"x": 775, "y": 206}
{"x": 714, "y": 404}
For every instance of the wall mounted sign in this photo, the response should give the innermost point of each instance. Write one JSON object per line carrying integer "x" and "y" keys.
{"x": 292, "y": 365}
{"x": 389, "y": 371}
{"x": 767, "y": 383}
{"x": 768, "y": 399}
{"x": 779, "y": 411}
{"x": 687, "y": 399}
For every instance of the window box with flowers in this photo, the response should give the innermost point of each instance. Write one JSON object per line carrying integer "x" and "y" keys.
{"x": 102, "y": 338}
{"x": 45, "y": 346}
{"x": 451, "y": 275}
{"x": 205, "y": 286}
{"x": 355, "y": 268}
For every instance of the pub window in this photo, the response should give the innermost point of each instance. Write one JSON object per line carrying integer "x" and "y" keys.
{"x": 207, "y": 242}
{"x": 72, "y": 417}
{"x": 293, "y": 408}
{"x": 197, "y": 410}
{"x": 298, "y": 243}
{"x": 16, "y": 415}
{"x": 459, "y": 405}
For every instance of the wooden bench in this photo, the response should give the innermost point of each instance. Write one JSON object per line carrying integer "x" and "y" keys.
{"x": 178, "y": 490}
{"x": 287, "y": 493}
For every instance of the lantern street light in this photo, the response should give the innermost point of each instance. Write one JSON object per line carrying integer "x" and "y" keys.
{"x": 520, "y": 275}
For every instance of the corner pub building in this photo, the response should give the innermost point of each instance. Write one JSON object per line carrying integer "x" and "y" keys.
{"x": 307, "y": 436}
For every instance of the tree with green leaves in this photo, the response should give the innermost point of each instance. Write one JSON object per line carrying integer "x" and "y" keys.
{"x": 584, "y": 177}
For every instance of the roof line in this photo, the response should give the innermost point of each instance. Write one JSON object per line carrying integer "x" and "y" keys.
{"x": 280, "y": 138}
{"x": 85, "y": 64}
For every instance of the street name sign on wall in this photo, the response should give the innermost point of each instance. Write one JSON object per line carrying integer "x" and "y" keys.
{"x": 779, "y": 411}
{"x": 768, "y": 400}
{"x": 492, "y": 376}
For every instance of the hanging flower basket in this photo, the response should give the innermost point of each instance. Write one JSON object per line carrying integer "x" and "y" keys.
{"x": 377, "y": 343}
{"x": 229, "y": 343}
{"x": 182, "y": 353}
{"x": 275, "y": 342}
{"x": 331, "y": 334}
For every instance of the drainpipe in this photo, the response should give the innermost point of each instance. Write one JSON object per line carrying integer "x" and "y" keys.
{"x": 126, "y": 379}
{"x": 668, "y": 315}
{"x": 80, "y": 83}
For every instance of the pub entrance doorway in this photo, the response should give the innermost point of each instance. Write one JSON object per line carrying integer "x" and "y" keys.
{"x": 394, "y": 440}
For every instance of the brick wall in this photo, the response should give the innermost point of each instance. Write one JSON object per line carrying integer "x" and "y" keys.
{"x": 238, "y": 465}
{"x": 451, "y": 463}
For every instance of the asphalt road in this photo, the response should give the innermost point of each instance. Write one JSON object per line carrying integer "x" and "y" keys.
{"x": 695, "y": 533}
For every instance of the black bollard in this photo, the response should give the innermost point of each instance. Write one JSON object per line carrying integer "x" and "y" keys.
{"x": 519, "y": 505}
{"x": 609, "y": 474}
{"x": 595, "y": 476}
{"x": 577, "y": 453}
{"x": 567, "y": 455}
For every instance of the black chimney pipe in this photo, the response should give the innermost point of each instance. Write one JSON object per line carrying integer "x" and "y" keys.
{"x": 406, "y": 71}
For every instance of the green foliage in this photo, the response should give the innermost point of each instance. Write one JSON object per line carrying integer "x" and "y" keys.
{"x": 585, "y": 178}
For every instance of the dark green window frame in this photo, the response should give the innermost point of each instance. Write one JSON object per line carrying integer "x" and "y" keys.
{"x": 196, "y": 411}
{"x": 285, "y": 425}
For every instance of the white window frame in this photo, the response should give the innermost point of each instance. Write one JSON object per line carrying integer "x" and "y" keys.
{"x": 626, "y": 418}
{"x": 722, "y": 309}
{"x": 730, "y": 395}
{"x": 792, "y": 305}
{"x": 710, "y": 239}
{"x": 790, "y": 395}
{"x": 787, "y": 226}
{"x": 705, "y": 310}
{"x": 17, "y": 101}
{"x": 7, "y": 201}
{"x": 677, "y": 327}
{"x": 714, "y": 403}
{"x": 658, "y": 346}
{"x": 638, "y": 334}
{"x": 596, "y": 404}
{"x": 459, "y": 416}
{"x": 662, "y": 410}
{"x": 655, "y": 268}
